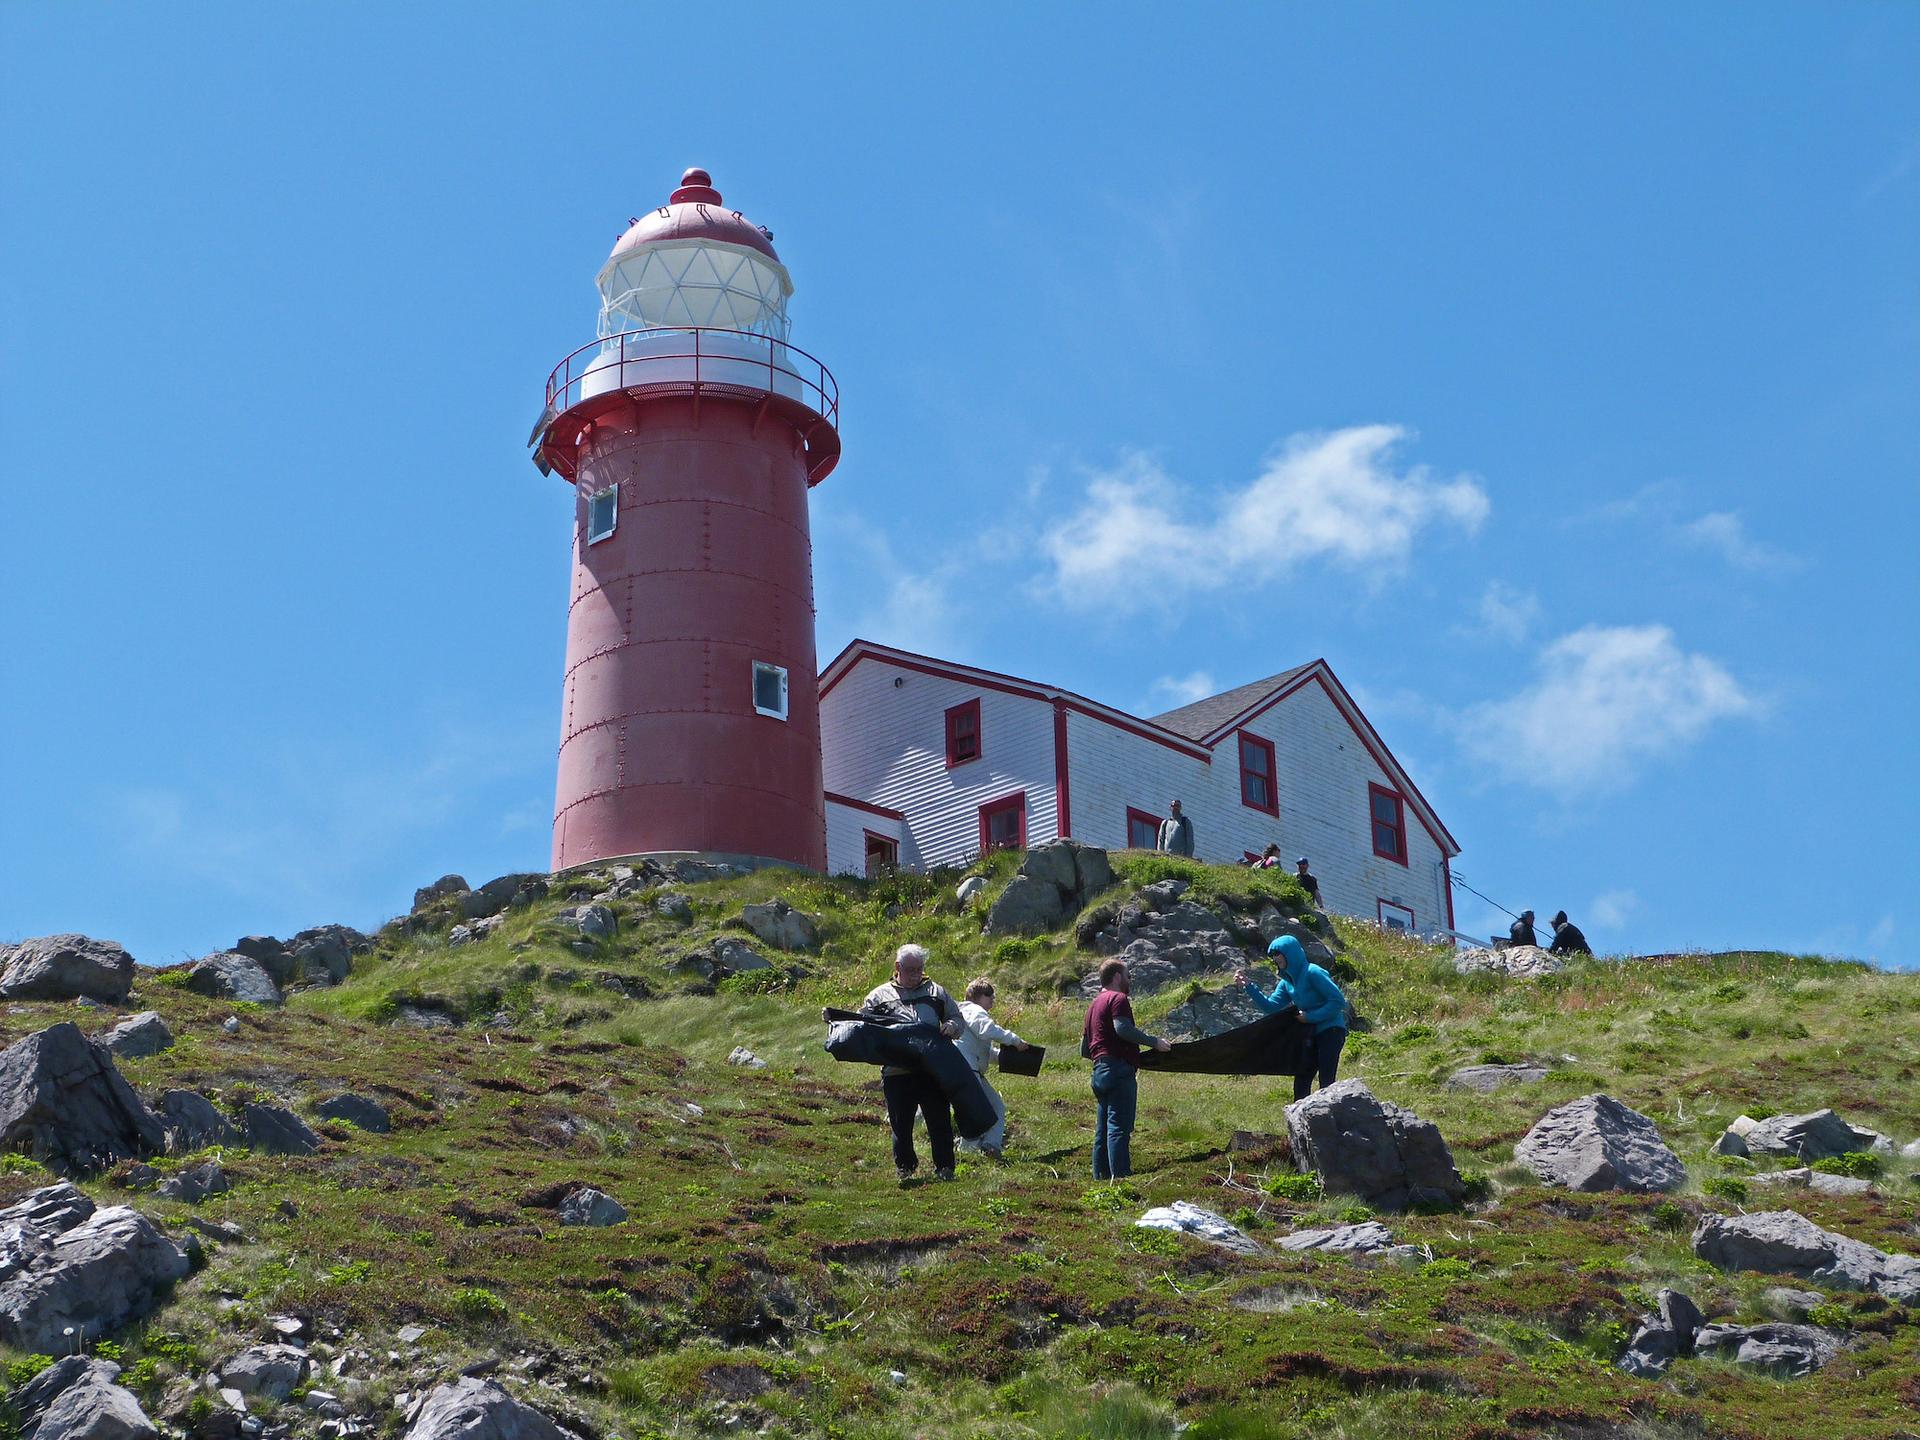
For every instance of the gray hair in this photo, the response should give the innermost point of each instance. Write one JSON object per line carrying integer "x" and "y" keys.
{"x": 910, "y": 952}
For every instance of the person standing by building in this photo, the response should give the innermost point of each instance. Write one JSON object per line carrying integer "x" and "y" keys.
{"x": 977, "y": 1043}
{"x": 1113, "y": 1042}
{"x": 1305, "y": 986}
{"x": 1568, "y": 938}
{"x": 1176, "y": 833}
{"x": 1308, "y": 883}
{"x": 912, "y": 997}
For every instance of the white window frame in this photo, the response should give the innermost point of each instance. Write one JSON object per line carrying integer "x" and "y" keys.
{"x": 781, "y": 671}
{"x": 612, "y": 493}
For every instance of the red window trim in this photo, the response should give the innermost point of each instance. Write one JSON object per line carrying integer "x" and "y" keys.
{"x": 954, "y": 712}
{"x": 1400, "y": 822}
{"x": 1272, "y": 775}
{"x": 1017, "y": 798}
{"x": 1380, "y": 904}
{"x": 887, "y": 840}
{"x": 1154, "y": 820}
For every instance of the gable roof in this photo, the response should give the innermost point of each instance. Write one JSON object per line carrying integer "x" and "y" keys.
{"x": 1203, "y": 717}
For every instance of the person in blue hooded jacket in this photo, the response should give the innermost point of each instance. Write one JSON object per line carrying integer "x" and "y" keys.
{"x": 1304, "y": 985}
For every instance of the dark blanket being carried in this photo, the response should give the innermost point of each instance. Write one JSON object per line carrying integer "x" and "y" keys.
{"x": 1272, "y": 1045}
{"x": 860, "y": 1038}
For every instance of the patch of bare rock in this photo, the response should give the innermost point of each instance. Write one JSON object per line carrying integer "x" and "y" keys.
{"x": 71, "y": 1272}
{"x": 1596, "y": 1143}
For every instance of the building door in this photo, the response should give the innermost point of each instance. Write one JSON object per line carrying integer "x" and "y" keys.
{"x": 883, "y": 854}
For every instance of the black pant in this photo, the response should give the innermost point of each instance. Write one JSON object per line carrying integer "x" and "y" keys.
{"x": 911, "y": 1094}
{"x": 1325, "y": 1061}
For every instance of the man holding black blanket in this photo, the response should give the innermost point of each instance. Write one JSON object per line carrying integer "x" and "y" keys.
{"x": 910, "y": 996}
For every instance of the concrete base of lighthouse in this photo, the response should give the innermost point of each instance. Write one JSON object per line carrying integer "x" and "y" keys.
{"x": 708, "y": 571}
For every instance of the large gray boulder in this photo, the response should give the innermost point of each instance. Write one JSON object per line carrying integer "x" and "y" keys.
{"x": 514, "y": 891}
{"x": 1054, "y": 862}
{"x": 324, "y": 954}
{"x": 594, "y": 922}
{"x": 77, "y": 1398}
{"x": 1785, "y": 1242}
{"x": 356, "y": 1110}
{"x": 1813, "y": 1136}
{"x": 65, "y": 1264}
{"x": 233, "y": 976}
{"x": 270, "y": 955}
{"x": 1360, "y": 1145}
{"x": 62, "y": 1100}
{"x": 1785, "y": 1349}
{"x": 192, "y": 1122}
{"x": 781, "y": 926}
{"x": 473, "y": 1409}
{"x": 444, "y": 886}
{"x": 268, "y": 1371}
{"x": 193, "y": 1185}
{"x": 138, "y": 1036}
{"x": 272, "y": 1130}
{"x": 1596, "y": 1143}
{"x": 65, "y": 967}
{"x": 588, "y": 1206}
{"x": 1028, "y": 906}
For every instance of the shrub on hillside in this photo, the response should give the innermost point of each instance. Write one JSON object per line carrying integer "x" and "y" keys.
{"x": 1855, "y": 1164}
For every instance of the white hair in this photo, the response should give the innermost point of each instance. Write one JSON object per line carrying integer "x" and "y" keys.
{"x": 910, "y": 952}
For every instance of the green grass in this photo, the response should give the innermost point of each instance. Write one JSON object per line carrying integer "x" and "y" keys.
{"x": 774, "y": 1272}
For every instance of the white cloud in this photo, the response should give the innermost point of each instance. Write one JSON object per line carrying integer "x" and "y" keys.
{"x": 1506, "y": 612}
{"x": 1613, "y": 909}
{"x": 1607, "y": 700}
{"x": 1143, "y": 541}
{"x": 1725, "y": 533}
{"x": 1170, "y": 692}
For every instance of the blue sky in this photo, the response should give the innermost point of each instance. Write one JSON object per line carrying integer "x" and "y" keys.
{"x": 1550, "y": 370}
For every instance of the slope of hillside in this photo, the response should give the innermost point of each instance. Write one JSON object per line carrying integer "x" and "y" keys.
{"x": 773, "y": 1276}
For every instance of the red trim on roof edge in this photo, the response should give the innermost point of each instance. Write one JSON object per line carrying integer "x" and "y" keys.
{"x": 866, "y": 805}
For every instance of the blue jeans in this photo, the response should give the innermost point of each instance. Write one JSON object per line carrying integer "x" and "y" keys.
{"x": 1116, "y": 1091}
{"x": 1327, "y": 1045}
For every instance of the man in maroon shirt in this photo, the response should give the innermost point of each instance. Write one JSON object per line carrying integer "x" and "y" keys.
{"x": 1112, "y": 1041}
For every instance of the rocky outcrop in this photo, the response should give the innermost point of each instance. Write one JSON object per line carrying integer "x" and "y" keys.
{"x": 473, "y": 1409}
{"x": 1663, "y": 1336}
{"x": 1806, "y": 1178}
{"x": 193, "y": 1185}
{"x": 1055, "y": 880}
{"x": 65, "y": 1264}
{"x": 506, "y": 892}
{"x": 588, "y": 1206}
{"x": 780, "y": 925}
{"x": 1817, "y": 1135}
{"x": 675, "y": 907}
{"x": 1784, "y": 1349}
{"x": 273, "y": 1130}
{"x": 1785, "y": 1242}
{"x": 1190, "y": 1219}
{"x": 1516, "y": 962}
{"x": 1184, "y": 941}
{"x": 267, "y": 1371}
{"x": 78, "y": 1398}
{"x": 726, "y": 956}
{"x": 65, "y": 967}
{"x": 324, "y": 955}
{"x": 1596, "y": 1143}
{"x": 1488, "y": 1078}
{"x": 358, "y": 1111}
{"x": 233, "y": 976}
{"x": 1210, "y": 1012}
{"x": 62, "y": 1100}
{"x": 137, "y": 1036}
{"x": 1360, "y": 1145}
{"x": 446, "y": 885}
{"x": 594, "y": 922}
{"x": 1368, "y": 1238}
{"x": 192, "y": 1122}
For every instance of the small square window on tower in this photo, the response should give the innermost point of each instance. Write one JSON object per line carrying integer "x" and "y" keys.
{"x": 603, "y": 513}
{"x": 769, "y": 690}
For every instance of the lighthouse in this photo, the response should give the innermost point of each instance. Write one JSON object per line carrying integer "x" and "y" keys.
{"x": 691, "y": 431}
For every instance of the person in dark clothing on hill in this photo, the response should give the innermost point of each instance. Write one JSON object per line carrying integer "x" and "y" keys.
{"x": 913, "y": 997}
{"x": 1305, "y": 987}
{"x": 1308, "y": 882}
{"x": 1112, "y": 1041}
{"x": 1567, "y": 939}
{"x": 1521, "y": 931}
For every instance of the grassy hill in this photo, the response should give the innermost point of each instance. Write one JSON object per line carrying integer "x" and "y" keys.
{"x": 774, "y": 1277}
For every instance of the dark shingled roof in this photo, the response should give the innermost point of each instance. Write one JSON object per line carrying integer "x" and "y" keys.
{"x": 1203, "y": 717}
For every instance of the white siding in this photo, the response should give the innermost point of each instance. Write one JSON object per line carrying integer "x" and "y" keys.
{"x": 847, "y": 828}
{"x": 1110, "y": 770}
{"x": 887, "y": 744}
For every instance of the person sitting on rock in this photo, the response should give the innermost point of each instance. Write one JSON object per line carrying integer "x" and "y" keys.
{"x": 1112, "y": 1041}
{"x": 1176, "y": 833}
{"x": 1567, "y": 938}
{"x": 1308, "y": 883}
{"x": 1521, "y": 931}
{"x": 912, "y": 997}
{"x": 1309, "y": 989}
{"x": 977, "y": 1043}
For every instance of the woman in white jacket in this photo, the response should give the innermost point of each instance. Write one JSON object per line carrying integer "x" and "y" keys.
{"x": 976, "y": 1042}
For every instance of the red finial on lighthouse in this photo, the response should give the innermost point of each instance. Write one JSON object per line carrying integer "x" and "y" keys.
{"x": 696, "y": 188}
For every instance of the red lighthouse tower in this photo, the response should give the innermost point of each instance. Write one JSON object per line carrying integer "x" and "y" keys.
{"x": 691, "y": 432}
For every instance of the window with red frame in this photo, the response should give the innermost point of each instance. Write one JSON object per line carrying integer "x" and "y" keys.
{"x": 963, "y": 733}
{"x": 1143, "y": 830}
{"x": 1258, "y": 787}
{"x": 883, "y": 854}
{"x": 1389, "y": 814}
{"x": 1003, "y": 824}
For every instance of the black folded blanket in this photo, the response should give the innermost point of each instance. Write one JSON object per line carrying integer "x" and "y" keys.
{"x": 860, "y": 1038}
{"x": 1272, "y": 1045}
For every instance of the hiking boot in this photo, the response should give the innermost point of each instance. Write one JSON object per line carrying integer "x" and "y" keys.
{"x": 943, "y": 1174}
{"x": 905, "y": 1172}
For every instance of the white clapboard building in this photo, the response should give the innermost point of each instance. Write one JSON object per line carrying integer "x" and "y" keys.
{"x": 929, "y": 763}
